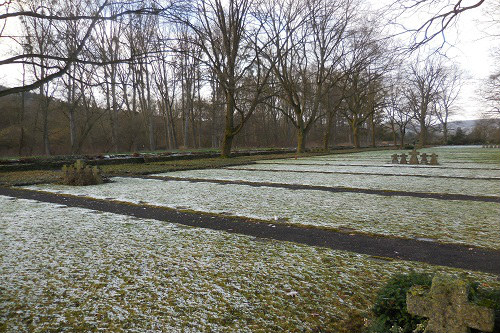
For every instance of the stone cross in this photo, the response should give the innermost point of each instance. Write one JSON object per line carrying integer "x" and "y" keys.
{"x": 447, "y": 307}
{"x": 403, "y": 159}
{"x": 414, "y": 158}
{"x": 434, "y": 159}
{"x": 423, "y": 158}
{"x": 394, "y": 159}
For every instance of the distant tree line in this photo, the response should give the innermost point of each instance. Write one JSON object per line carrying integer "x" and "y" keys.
{"x": 111, "y": 76}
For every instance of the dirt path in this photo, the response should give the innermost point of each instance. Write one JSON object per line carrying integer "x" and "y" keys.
{"x": 406, "y": 249}
{"x": 335, "y": 189}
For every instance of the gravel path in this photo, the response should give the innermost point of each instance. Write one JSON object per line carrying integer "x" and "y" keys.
{"x": 406, "y": 249}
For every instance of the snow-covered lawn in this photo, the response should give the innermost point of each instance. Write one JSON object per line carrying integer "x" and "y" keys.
{"x": 446, "y": 154}
{"x": 460, "y": 156}
{"x": 394, "y": 183}
{"x": 467, "y": 222}
{"x": 76, "y": 270}
{"x": 385, "y": 169}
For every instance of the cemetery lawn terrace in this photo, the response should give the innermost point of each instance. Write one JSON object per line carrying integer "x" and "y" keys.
{"x": 68, "y": 269}
{"x": 451, "y": 221}
{"x": 78, "y": 270}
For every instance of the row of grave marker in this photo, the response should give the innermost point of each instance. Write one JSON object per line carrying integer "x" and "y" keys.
{"x": 491, "y": 146}
{"x": 401, "y": 159}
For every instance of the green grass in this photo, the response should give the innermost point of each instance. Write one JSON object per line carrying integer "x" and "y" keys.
{"x": 29, "y": 177}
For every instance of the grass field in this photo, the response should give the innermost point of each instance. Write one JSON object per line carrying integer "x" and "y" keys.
{"x": 67, "y": 269}
{"x": 77, "y": 270}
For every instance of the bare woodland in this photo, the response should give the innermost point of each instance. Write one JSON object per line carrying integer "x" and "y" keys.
{"x": 115, "y": 76}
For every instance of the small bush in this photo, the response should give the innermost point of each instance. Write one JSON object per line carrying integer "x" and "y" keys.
{"x": 390, "y": 305}
{"x": 79, "y": 174}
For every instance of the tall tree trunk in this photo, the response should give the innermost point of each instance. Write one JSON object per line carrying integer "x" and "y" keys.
{"x": 172, "y": 125}
{"x": 301, "y": 140}
{"x": 46, "y": 140}
{"x": 72, "y": 129}
{"x": 423, "y": 133}
{"x": 193, "y": 129}
{"x": 355, "y": 135}
{"x": 44, "y": 103}
{"x": 226, "y": 146}
{"x": 372, "y": 122}
{"x": 328, "y": 131}
{"x": 227, "y": 142}
{"x": 151, "y": 116}
{"x": 114, "y": 115}
{"x": 166, "y": 125}
{"x": 402, "y": 139}
{"x": 71, "y": 112}
{"x": 445, "y": 132}
{"x": 185, "y": 113}
{"x": 301, "y": 133}
{"x": 21, "y": 124}
{"x": 334, "y": 134}
{"x": 151, "y": 132}
{"x": 393, "y": 130}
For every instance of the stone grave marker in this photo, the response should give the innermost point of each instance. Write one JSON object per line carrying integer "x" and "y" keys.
{"x": 423, "y": 159}
{"x": 403, "y": 159}
{"x": 434, "y": 159}
{"x": 447, "y": 307}
{"x": 414, "y": 157}
{"x": 394, "y": 159}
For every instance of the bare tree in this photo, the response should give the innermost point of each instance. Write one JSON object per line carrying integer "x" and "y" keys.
{"x": 364, "y": 67}
{"x": 307, "y": 45}
{"x": 424, "y": 85}
{"x": 448, "y": 95}
{"x": 40, "y": 38}
{"x": 72, "y": 35}
{"x": 228, "y": 37}
{"x": 107, "y": 38}
{"x": 144, "y": 33}
{"x": 61, "y": 62}
{"x": 490, "y": 91}
{"x": 491, "y": 95}
{"x": 398, "y": 111}
{"x": 441, "y": 15}
{"x": 334, "y": 99}
{"x": 166, "y": 87}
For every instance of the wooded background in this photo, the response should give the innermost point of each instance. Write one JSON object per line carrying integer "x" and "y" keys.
{"x": 125, "y": 76}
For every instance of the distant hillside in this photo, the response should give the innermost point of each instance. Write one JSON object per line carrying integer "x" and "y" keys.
{"x": 28, "y": 96}
{"x": 468, "y": 125}
{"x": 465, "y": 125}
